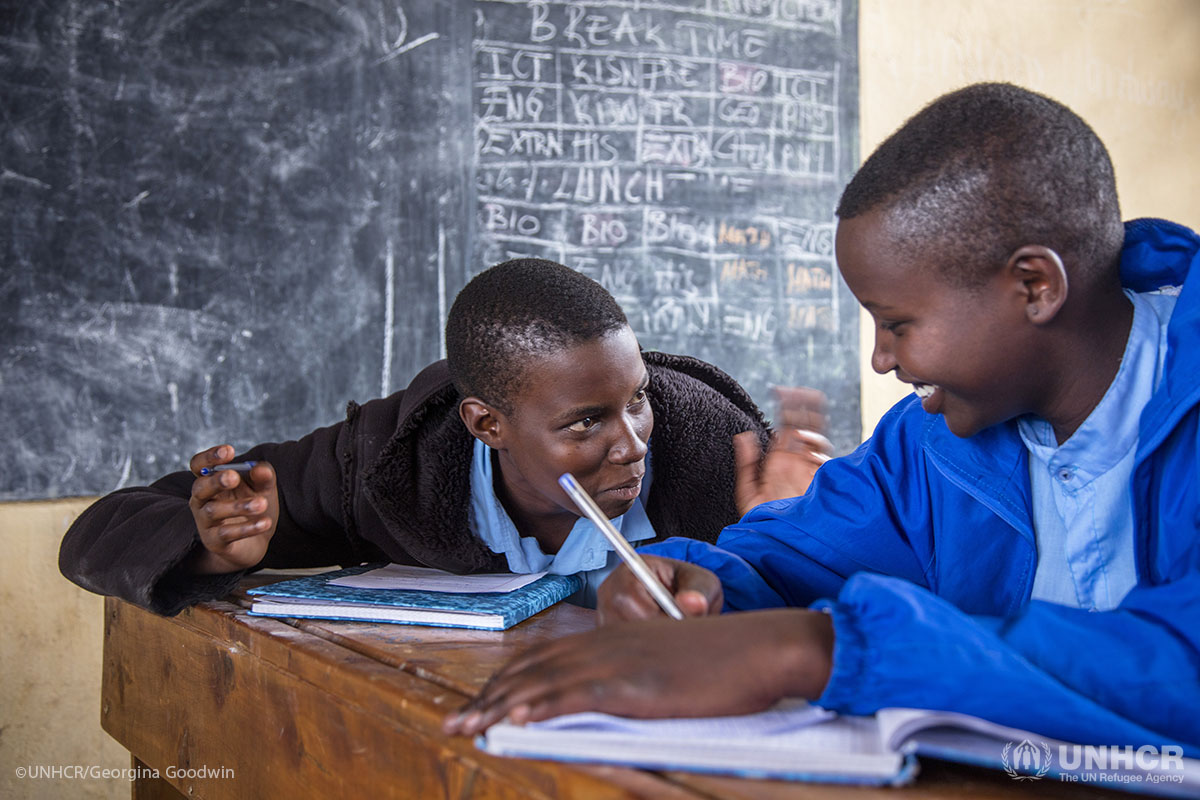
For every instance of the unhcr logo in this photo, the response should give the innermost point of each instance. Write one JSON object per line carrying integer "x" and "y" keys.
{"x": 1026, "y": 761}
{"x": 1106, "y": 765}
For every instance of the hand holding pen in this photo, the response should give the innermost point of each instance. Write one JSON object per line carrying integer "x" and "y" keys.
{"x": 236, "y": 509}
{"x": 623, "y": 597}
{"x": 648, "y": 667}
{"x": 648, "y": 587}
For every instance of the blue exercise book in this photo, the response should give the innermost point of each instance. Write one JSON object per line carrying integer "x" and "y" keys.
{"x": 312, "y": 597}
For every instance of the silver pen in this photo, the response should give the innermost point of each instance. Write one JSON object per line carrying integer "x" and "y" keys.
{"x": 592, "y": 511}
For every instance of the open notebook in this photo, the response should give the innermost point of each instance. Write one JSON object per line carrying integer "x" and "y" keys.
{"x": 797, "y": 741}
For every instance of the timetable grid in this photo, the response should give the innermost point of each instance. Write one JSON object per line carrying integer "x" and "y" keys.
{"x": 686, "y": 156}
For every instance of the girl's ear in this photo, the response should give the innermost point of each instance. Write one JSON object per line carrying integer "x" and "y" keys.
{"x": 482, "y": 421}
{"x": 1043, "y": 281}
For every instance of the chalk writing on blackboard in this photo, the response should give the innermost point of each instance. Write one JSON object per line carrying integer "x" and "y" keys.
{"x": 225, "y": 219}
{"x": 686, "y": 155}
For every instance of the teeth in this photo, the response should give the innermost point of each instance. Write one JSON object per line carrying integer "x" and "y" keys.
{"x": 923, "y": 390}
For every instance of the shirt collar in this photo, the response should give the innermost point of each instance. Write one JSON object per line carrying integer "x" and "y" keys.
{"x": 1111, "y": 430}
{"x": 585, "y": 547}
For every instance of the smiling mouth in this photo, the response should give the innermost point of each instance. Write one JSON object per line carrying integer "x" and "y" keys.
{"x": 626, "y": 491}
{"x": 924, "y": 390}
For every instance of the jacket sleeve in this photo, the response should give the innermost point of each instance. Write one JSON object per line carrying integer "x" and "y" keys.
{"x": 131, "y": 543}
{"x": 771, "y": 558}
{"x": 1127, "y": 676}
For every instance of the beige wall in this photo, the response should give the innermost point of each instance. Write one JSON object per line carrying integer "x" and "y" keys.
{"x": 50, "y": 661}
{"x": 1130, "y": 67}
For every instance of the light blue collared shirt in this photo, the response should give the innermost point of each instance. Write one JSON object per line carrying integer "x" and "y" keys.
{"x": 585, "y": 550}
{"x": 1082, "y": 506}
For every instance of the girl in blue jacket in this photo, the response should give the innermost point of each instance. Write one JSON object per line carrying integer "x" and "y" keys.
{"x": 1018, "y": 539}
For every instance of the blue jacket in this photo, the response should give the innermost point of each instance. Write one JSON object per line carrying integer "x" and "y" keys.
{"x": 926, "y": 541}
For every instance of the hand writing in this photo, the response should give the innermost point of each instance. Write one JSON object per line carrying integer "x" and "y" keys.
{"x": 623, "y": 598}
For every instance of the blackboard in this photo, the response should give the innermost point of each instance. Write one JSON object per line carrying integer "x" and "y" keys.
{"x": 226, "y": 218}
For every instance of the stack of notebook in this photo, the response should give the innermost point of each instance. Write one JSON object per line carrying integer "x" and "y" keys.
{"x": 415, "y": 596}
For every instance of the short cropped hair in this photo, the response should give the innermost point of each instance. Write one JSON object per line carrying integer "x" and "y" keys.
{"x": 984, "y": 170}
{"x": 521, "y": 308}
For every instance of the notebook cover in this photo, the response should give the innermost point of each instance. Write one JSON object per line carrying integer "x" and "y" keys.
{"x": 512, "y": 607}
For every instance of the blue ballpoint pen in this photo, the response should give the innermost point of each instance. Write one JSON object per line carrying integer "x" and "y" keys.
{"x": 244, "y": 466}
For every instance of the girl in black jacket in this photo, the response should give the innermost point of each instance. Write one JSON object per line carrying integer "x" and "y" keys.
{"x": 542, "y": 368}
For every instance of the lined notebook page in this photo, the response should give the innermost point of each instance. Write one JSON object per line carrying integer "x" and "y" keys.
{"x": 793, "y": 716}
{"x": 791, "y": 725}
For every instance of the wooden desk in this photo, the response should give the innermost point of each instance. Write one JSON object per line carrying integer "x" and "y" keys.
{"x": 259, "y": 708}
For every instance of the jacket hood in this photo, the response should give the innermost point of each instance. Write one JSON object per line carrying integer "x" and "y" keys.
{"x": 1157, "y": 253}
{"x": 1160, "y": 254}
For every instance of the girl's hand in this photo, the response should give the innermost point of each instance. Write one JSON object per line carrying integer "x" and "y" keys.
{"x": 235, "y": 512}
{"x": 623, "y": 598}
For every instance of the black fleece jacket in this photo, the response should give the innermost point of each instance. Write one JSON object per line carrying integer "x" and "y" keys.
{"x": 392, "y": 483}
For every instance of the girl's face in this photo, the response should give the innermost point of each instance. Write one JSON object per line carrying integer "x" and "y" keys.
{"x": 582, "y": 410}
